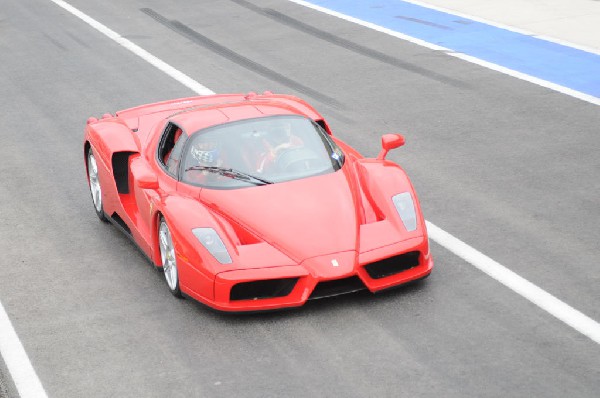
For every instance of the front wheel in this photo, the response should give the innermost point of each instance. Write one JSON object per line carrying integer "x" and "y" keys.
{"x": 167, "y": 257}
{"x": 95, "y": 188}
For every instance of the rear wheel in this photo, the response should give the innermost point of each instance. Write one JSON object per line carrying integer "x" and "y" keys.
{"x": 167, "y": 257}
{"x": 95, "y": 187}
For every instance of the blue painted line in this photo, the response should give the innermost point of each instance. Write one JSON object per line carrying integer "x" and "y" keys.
{"x": 556, "y": 63}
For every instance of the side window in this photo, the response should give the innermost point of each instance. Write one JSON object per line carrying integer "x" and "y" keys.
{"x": 174, "y": 157}
{"x": 169, "y": 149}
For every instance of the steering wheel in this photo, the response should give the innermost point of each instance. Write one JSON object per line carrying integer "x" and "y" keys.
{"x": 296, "y": 159}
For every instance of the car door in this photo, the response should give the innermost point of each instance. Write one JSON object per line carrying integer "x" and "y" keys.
{"x": 156, "y": 178}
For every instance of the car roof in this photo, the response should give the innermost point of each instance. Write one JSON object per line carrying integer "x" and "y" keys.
{"x": 249, "y": 107}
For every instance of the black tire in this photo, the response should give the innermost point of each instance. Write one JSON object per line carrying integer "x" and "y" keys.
{"x": 168, "y": 258}
{"x": 95, "y": 185}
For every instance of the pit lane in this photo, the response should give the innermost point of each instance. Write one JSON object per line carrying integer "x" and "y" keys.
{"x": 88, "y": 308}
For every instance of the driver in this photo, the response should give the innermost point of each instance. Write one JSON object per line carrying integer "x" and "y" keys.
{"x": 279, "y": 138}
{"x": 204, "y": 153}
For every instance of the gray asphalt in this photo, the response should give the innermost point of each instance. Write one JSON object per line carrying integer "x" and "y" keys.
{"x": 509, "y": 167}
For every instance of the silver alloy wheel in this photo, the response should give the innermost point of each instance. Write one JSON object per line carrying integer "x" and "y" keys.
{"x": 94, "y": 182}
{"x": 167, "y": 256}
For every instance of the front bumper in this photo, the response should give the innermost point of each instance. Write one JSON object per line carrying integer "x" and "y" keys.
{"x": 292, "y": 286}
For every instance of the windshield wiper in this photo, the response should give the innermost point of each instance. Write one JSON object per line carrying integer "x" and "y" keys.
{"x": 232, "y": 173}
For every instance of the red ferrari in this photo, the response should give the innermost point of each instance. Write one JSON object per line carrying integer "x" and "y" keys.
{"x": 248, "y": 202}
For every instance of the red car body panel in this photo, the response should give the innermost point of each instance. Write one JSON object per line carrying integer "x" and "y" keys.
{"x": 315, "y": 236}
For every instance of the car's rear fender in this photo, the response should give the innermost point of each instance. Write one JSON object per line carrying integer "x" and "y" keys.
{"x": 113, "y": 144}
{"x": 112, "y": 135}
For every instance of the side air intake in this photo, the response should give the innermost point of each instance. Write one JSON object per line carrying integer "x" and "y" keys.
{"x": 120, "y": 162}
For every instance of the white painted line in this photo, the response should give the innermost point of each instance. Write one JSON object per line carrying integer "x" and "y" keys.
{"x": 23, "y": 375}
{"x": 531, "y": 79}
{"x": 137, "y": 50}
{"x": 569, "y": 315}
{"x": 370, "y": 25}
{"x": 505, "y": 27}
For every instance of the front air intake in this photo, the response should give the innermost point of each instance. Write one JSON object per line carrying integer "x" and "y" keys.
{"x": 392, "y": 265}
{"x": 337, "y": 287}
{"x": 262, "y": 289}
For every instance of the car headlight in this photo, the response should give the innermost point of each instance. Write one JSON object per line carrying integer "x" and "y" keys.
{"x": 209, "y": 238}
{"x": 406, "y": 209}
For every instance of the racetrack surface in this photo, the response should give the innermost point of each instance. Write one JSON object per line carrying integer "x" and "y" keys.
{"x": 507, "y": 166}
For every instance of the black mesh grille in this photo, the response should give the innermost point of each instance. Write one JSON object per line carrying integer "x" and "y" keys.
{"x": 336, "y": 287}
{"x": 263, "y": 289}
{"x": 393, "y": 265}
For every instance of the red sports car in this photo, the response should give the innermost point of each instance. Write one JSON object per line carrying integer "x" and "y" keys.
{"x": 248, "y": 202}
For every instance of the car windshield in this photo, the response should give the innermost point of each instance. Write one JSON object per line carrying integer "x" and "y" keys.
{"x": 259, "y": 151}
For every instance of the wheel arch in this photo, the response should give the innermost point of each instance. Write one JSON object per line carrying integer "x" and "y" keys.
{"x": 86, "y": 148}
{"x": 155, "y": 244}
